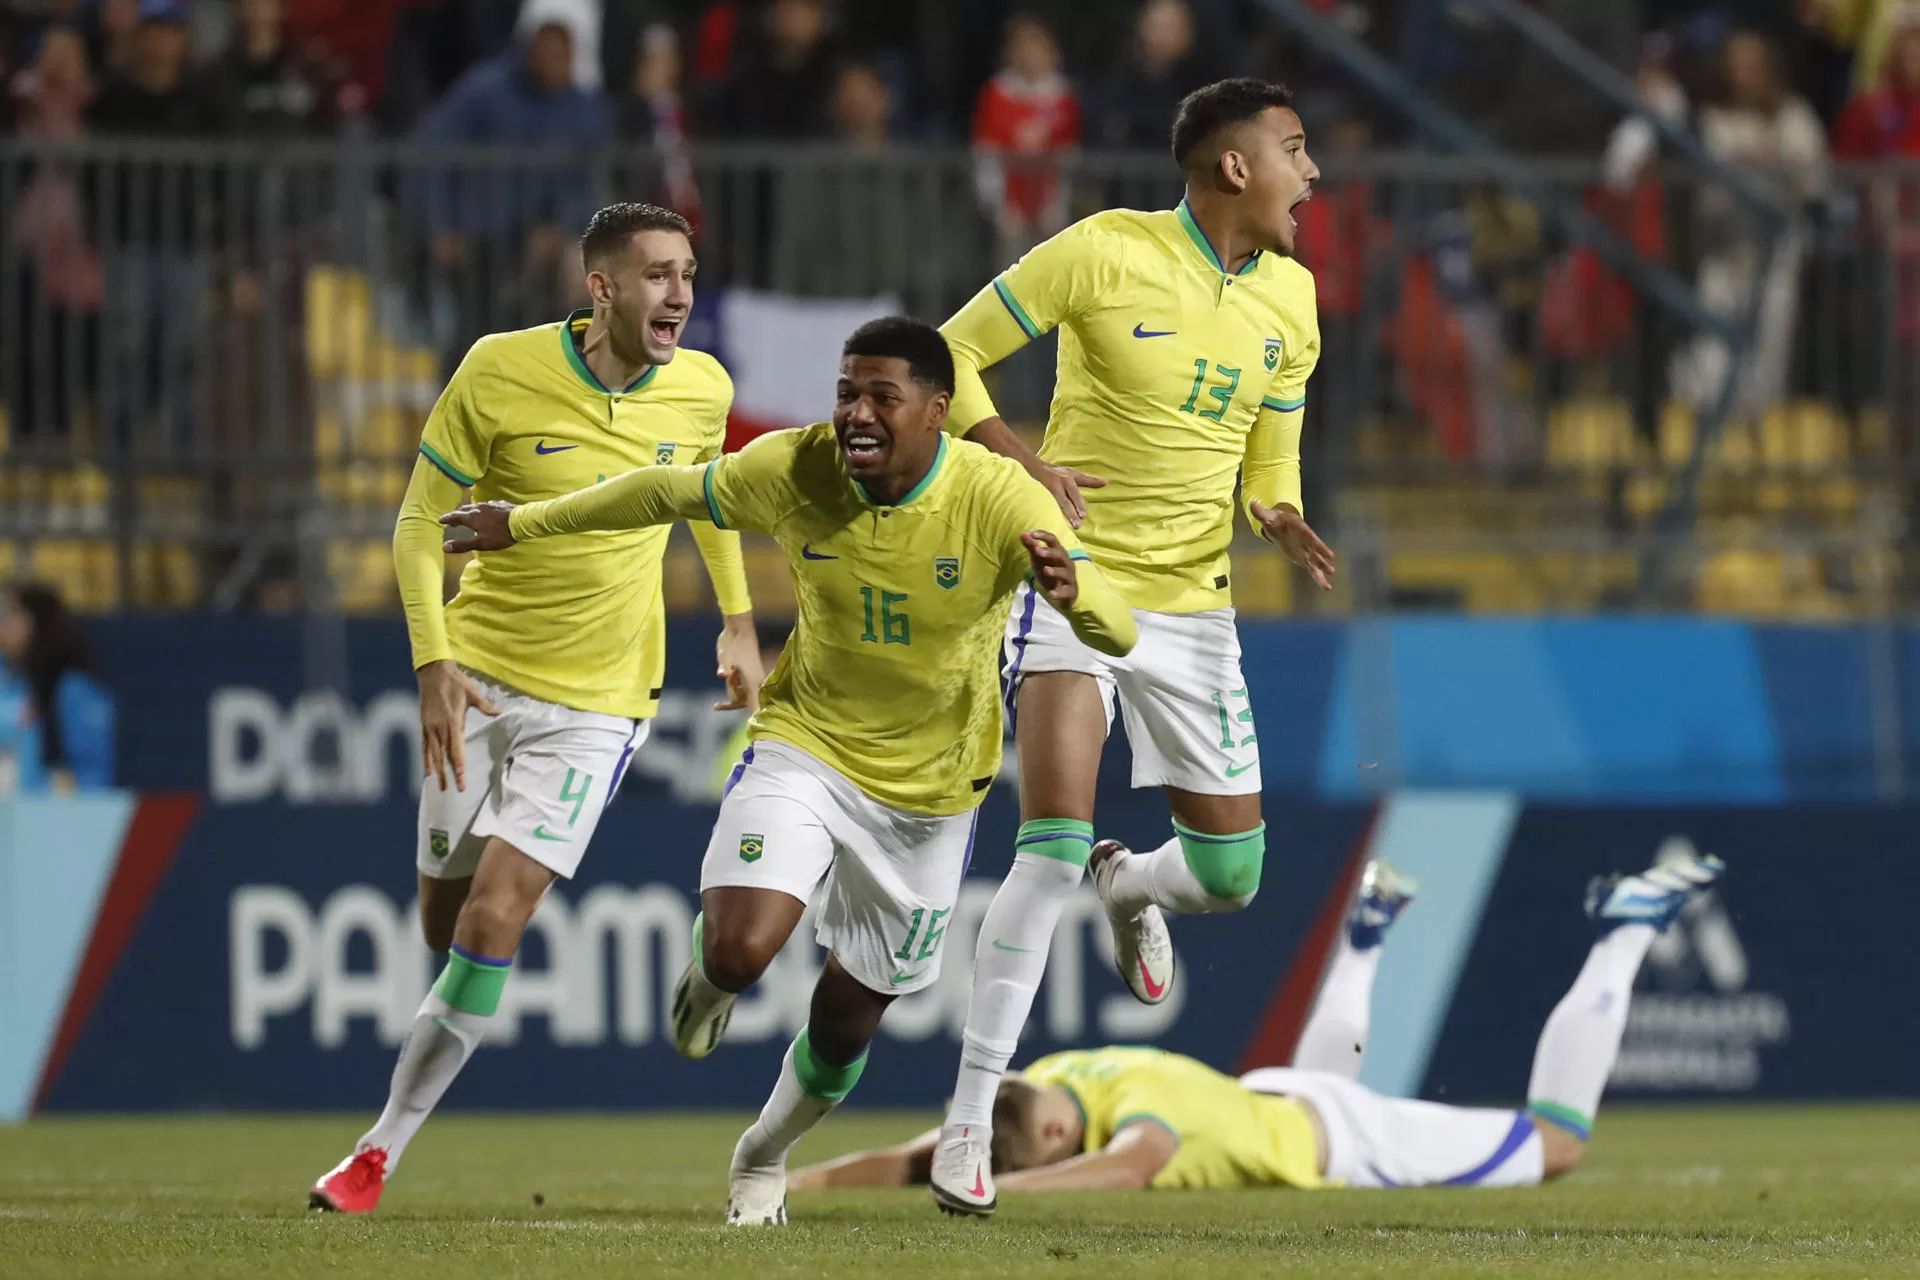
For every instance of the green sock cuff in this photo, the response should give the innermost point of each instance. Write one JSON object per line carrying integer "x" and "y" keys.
{"x": 1225, "y": 866}
{"x": 1065, "y": 839}
{"x": 821, "y": 1079}
{"x": 1563, "y": 1118}
{"x": 471, "y": 983}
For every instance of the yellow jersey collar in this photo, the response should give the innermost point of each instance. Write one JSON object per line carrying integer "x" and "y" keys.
{"x": 926, "y": 481}
{"x": 579, "y": 364}
{"x": 1205, "y": 246}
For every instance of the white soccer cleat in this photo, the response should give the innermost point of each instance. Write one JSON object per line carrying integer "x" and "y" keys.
{"x": 1142, "y": 947}
{"x": 700, "y": 1011}
{"x": 756, "y": 1196}
{"x": 1654, "y": 896}
{"x": 963, "y": 1171}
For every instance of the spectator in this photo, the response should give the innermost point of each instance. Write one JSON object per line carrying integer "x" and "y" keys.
{"x": 1027, "y": 119}
{"x": 1163, "y": 68}
{"x": 862, "y": 108}
{"x": 1885, "y": 122}
{"x": 582, "y": 18}
{"x": 843, "y": 226}
{"x": 1756, "y": 122}
{"x": 156, "y": 230}
{"x": 273, "y": 93}
{"x": 1341, "y": 238}
{"x": 115, "y": 31}
{"x": 53, "y": 328}
{"x": 499, "y": 231}
{"x": 651, "y": 114}
{"x": 781, "y": 85}
{"x": 60, "y": 734}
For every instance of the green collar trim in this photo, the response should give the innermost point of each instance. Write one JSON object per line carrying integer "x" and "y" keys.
{"x": 579, "y": 363}
{"x": 926, "y": 481}
{"x": 1205, "y": 245}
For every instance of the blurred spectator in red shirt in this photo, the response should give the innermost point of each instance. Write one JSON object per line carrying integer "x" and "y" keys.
{"x": 1886, "y": 121}
{"x": 1340, "y": 238}
{"x": 1027, "y": 118}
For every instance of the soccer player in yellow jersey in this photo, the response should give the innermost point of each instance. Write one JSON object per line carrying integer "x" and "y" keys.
{"x": 1139, "y": 1117}
{"x": 879, "y": 731}
{"x": 1186, "y": 340}
{"x": 537, "y": 682}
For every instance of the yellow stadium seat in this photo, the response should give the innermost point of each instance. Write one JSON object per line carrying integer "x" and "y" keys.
{"x": 362, "y": 573}
{"x": 86, "y": 570}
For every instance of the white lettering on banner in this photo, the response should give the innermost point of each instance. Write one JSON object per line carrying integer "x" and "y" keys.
{"x": 1681, "y": 1037}
{"x": 324, "y": 750}
{"x": 359, "y": 959}
{"x": 320, "y": 750}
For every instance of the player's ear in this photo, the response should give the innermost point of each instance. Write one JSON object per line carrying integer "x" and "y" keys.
{"x": 937, "y": 406}
{"x": 599, "y": 288}
{"x": 1231, "y": 171}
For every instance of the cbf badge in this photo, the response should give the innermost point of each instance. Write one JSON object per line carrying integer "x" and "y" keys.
{"x": 752, "y": 846}
{"x": 663, "y": 454}
{"x": 946, "y": 571}
{"x": 1272, "y": 357}
{"x": 437, "y": 842}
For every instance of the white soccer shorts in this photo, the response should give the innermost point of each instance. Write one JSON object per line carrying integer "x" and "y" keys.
{"x": 1182, "y": 696}
{"x": 1373, "y": 1141}
{"x": 891, "y": 878}
{"x": 538, "y": 777}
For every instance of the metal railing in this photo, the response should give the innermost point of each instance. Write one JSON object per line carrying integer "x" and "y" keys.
{"x": 217, "y": 358}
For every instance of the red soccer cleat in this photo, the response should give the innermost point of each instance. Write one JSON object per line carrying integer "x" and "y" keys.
{"x": 354, "y": 1185}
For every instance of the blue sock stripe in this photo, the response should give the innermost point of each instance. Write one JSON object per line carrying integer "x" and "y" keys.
{"x": 1044, "y": 836}
{"x": 1516, "y": 1138}
{"x": 488, "y": 961}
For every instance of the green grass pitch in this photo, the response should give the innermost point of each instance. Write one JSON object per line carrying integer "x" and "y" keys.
{"x": 1725, "y": 1191}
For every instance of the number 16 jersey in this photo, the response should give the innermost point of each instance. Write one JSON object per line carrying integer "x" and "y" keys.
{"x": 1172, "y": 373}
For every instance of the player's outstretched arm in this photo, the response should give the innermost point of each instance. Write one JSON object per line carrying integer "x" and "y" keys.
{"x": 909, "y": 1164}
{"x": 1128, "y": 1163}
{"x": 636, "y": 500}
{"x": 1075, "y": 586}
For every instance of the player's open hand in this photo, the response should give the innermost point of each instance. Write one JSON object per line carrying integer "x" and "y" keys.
{"x": 1065, "y": 484}
{"x": 1287, "y": 529}
{"x": 1053, "y": 575}
{"x": 445, "y": 694}
{"x": 487, "y": 520}
{"x": 738, "y": 652}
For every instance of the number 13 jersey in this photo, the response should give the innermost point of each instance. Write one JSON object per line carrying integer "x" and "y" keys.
{"x": 1172, "y": 374}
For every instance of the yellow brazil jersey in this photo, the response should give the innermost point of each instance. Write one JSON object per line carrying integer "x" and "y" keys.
{"x": 891, "y": 675}
{"x": 1229, "y": 1136}
{"x": 1172, "y": 375}
{"x": 579, "y": 623}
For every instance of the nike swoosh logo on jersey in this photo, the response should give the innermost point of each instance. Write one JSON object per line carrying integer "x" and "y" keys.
{"x": 540, "y": 833}
{"x": 808, "y": 553}
{"x": 1001, "y": 946}
{"x": 543, "y": 450}
{"x": 1235, "y": 770}
{"x": 899, "y": 978}
{"x": 1141, "y": 332}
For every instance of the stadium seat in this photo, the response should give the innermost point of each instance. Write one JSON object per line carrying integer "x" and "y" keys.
{"x": 362, "y": 572}
{"x": 86, "y": 570}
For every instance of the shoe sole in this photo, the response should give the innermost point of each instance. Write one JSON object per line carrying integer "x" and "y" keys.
{"x": 954, "y": 1207}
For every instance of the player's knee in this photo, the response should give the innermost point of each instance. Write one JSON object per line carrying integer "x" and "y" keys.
{"x": 1227, "y": 867}
{"x": 491, "y": 923}
{"x": 734, "y": 959}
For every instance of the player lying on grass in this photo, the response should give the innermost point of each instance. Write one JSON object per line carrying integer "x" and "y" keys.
{"x": 1124, "y": 1117}
{"x": 540, "y": 679}
{"x": 1187, "y": 338}
{"x": 879, "y": 730}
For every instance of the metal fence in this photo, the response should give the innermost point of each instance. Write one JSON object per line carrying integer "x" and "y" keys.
{"x": 217, "y": 358}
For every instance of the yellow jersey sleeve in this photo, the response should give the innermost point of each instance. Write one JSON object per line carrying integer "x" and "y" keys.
{"x": 1054, "y": 280}
{"x": 637, "y": 500}
{"x": 753, "y": 489}
{"x": 457, "y": 435}
{"x": 1098, "y": 614}
{"x": 420, "y": 564}
{"x": 1271, "y": 469}
{"x": 720, "y": 548}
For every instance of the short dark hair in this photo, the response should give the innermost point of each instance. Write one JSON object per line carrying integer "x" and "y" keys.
{"x": 929, "y": 359}
{"x": 1208, "y": 110}
{"x": 609, "y": 230}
